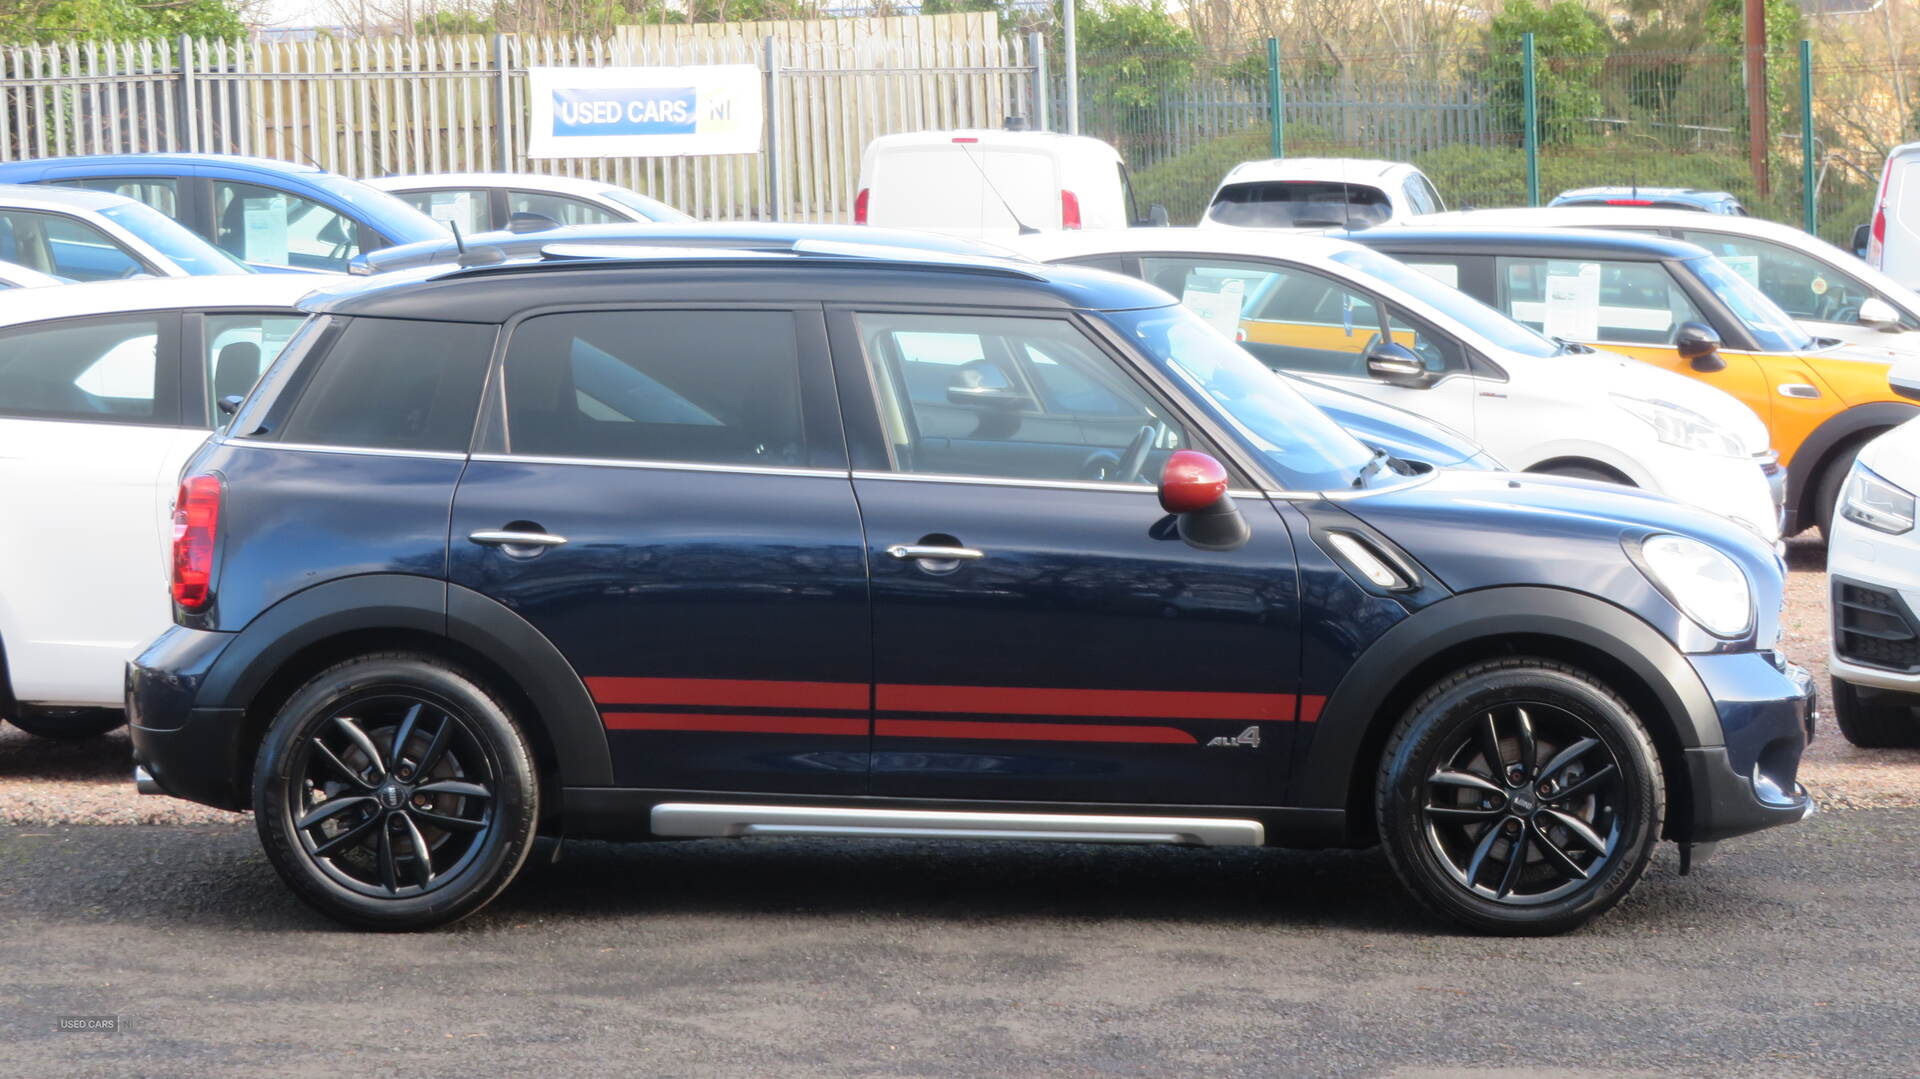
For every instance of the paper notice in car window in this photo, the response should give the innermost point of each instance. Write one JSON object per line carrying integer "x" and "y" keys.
{"x": 1217, "y": 300}
{"x": 1747, "y": 266}
{"x": 454, "y": 206}
{"x": 266, "y": 223}
{"x": 1573, "y": 301}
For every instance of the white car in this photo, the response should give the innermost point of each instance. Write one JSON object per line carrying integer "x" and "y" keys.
{"x": 85, "y": 235}
{"x": 1828, "y": 291}
{"x": 1352, "y": 318}
{"x": 489, "y": 201}
{"x": 105, "y": 389}
{"x": 13, "y": 275}
{"x": 985, "y": 183}
{"x": 1319, "y": 193}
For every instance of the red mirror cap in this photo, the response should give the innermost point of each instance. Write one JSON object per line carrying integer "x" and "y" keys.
{"x": 1192, "y": 481}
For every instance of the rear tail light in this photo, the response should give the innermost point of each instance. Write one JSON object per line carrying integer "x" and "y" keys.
{"x": 860, "y": 206}
{"x": 1069, "y": 210}
{"x": 196, "y": 528}
{"x": 1629, "y": 202}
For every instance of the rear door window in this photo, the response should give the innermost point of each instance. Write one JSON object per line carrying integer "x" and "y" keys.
{"x": 64, "y": 247}
{"x": 465, "y": 207}
{"x": 395, "y": 384}
{"x": 1300, "y": 204}
{"x": 239, "y": 348}
{"x": 1632, "y": 303}
{"x": 278, "y": 228}
{"x": 159, "y": 192}
{"x": 697, "y": 387}
{"x": 561, "y": 208}
{"x": 119, "y": 369}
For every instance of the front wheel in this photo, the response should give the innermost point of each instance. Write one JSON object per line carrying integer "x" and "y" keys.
{"x": 1520, "y": 796}
{"x": 395, "y": 792}
{"x": 1876, "y": 720}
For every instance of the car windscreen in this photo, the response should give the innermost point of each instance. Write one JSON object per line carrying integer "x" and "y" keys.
{"x": 1773, "y": 329}
{"x": 1300, "y": 445}
{"x": 188, "y": 251}
{"x": 1299, "y": 204}
{"x": 1492, "y": 326}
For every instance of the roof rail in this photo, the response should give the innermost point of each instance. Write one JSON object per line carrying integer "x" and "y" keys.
{"x": 819, "y": 252}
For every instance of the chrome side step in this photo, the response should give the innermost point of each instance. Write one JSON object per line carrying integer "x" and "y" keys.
{"x": 144, "y": 781}
{"x": 695, "y": 820}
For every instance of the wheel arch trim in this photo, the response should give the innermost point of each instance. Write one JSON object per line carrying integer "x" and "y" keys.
{"x": 373, "y": 603}
{"x": 1352, "y": 716}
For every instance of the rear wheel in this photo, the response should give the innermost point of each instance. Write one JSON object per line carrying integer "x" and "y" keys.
{"x": 1876, "y": 720}
{"x": 67, "y": 724}
{"x": 1520, "y": 796}
{"x": 395, "y": 792}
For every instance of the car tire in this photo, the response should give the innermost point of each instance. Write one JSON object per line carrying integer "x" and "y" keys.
{"x": 1578, "y": 790}
{"x": 346, "y": 818}
{"x": 1583, "y": 472}
{"x": 1833, "y": 477}
{"x": 69, "y": 724}
{"x": 1875, "y": 720}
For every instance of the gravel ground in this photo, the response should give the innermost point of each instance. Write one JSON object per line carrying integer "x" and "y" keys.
{"x": 88, "y": 783}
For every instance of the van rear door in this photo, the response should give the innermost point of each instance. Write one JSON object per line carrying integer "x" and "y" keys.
{"x": 958, "y": 189}
{"x": 1899, "y": 236}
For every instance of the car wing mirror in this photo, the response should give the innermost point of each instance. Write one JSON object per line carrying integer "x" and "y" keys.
{"x": 1193, "y": 488}
{"x": 230, "y": 404}
{"x": 1862, "y": 236}
{"x": 996, "y": 398}
{"x": 1699, "y": 345}
{"x": 1879, "y": 314}
{"x": 1397, "y": 365}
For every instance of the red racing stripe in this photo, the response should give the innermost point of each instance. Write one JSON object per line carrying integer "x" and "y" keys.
{"x": 1310, "y": 708}
{"x": 729, "y": 693}
{"x": 1022, "y": 700}
{"x": 688, "y": 721}
{"x": 1029, "y": 732}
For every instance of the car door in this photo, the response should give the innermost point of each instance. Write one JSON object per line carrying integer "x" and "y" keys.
{"x": 1318, "y": 326}
{"x": 91, "y": 436}
{"x": 1039, "y": 634}
{"x": 664, "y": 495}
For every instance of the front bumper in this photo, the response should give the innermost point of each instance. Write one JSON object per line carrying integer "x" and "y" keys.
{"x": 1871, "y": 640}
{"x": 1767, "y": 709}
{"x": 184, "y": 749}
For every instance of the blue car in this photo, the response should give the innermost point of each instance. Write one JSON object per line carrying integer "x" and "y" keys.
{"x": 273, "y": 215}
{"x": 729, "y": 543}
{"x": 1653, "y": 198}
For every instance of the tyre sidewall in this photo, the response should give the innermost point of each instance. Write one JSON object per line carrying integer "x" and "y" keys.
{"x": 504, "y": 849}
{"x": 1437, "y": 721}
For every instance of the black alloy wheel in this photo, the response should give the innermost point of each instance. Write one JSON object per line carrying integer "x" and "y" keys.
{"x": 1520, "y": 796}
{"x": 394, "y": 792}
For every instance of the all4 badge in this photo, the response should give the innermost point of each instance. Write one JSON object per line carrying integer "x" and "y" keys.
{"x": 1249, "y": 737}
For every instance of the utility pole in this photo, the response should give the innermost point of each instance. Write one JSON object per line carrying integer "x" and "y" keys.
{"x": 1070, "y": 59}
{"x": 1757, "y": 95}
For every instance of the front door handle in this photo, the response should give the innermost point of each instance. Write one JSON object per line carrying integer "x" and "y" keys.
{"x": 505, "y": 538}
{"x": 930, "y": 553}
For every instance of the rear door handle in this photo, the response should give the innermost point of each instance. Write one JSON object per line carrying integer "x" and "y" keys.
{"x": 934, "y": 554}
{"x": 500, "y": 538}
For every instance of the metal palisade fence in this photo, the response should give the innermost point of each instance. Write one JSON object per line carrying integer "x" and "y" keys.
{"x": 373, "y": 107}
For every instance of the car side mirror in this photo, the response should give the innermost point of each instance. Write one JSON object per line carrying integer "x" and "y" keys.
{"x": 1879, "y": 314}
{"x": 997, "y": 398}
{"x": 527, "y": 221}
{"x": 1193, "y": 487}
{"x": 1398, "y": 365}
{"x": 229, "y": 404}
{"x": 1156, "y": 218}
{"x": 1862, "y": 238}
{"x": 1699, "y": 345}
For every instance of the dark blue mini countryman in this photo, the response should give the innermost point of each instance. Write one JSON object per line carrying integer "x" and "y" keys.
{"x": 882, "y": 543}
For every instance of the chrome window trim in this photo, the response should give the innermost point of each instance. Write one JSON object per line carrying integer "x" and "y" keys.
{"x": 358, "y": 451}
{"x": 1007, "y": 481}
{"x": 666, "y": 466}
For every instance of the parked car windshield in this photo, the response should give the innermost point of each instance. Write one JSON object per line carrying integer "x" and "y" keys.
{"x": 1773, "y": 329}
{"x": 1302, "y": 448}
{"x": 1300, "y": 204}
{"x": 1492, "y": 326}
{"x": 188, "y": 251}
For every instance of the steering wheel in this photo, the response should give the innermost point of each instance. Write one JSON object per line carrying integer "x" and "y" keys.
{"x": 1125, "y": 466}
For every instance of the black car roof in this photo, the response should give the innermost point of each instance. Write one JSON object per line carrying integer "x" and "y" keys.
{"x": 1548, "y": 243}
{"x": 501, "y": 292}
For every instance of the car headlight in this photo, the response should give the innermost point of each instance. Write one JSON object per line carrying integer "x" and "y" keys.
{"x": 1870, "y": 500}
{"x": 1682, "y": 427}
{"x": 1706, "y": 585}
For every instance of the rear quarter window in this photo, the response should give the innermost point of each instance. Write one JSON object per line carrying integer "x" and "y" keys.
{"x": 394, "y": 384}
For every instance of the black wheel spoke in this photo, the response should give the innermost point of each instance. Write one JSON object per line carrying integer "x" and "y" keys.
{"x": 1595, "y": 778}
{"x": 437, "y": 746}
{"x": 405, "y": 733}
{"x": 1489, "y": 736}
{"x": 1555, "y": 855}
{"x": 1479, "y": 859}
{"x": 1567, "y": 756}
{"x": 1529, "y": 746}
{"x": 1516, "y": 863}
{"x": 332, "y": 808}
{"x": 1581, "y": 830}
{"x": 1466, "y": 779}
{"x": 339, "y": 766}
{"x": 348, "y": 839}
{"x": 1462, "y": 814}
{"x": 445, "y": 823}
{"x": 389, "y": 869}
{"x": 454, "y": 786}
{"x": 422, "y": 855}
{"x": 365, "y": 744}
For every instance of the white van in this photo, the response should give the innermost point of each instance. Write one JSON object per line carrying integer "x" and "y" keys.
{"x": 996, "y": 183}
{"x": 1893, "y": 238}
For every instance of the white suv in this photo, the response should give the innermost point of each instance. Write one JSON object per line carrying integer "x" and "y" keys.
{"x": 104, "y": 391}
{"x": 1873, "y": 566}
{"x": 1355, "y": 319}
{"x": 1319, "y": 193}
